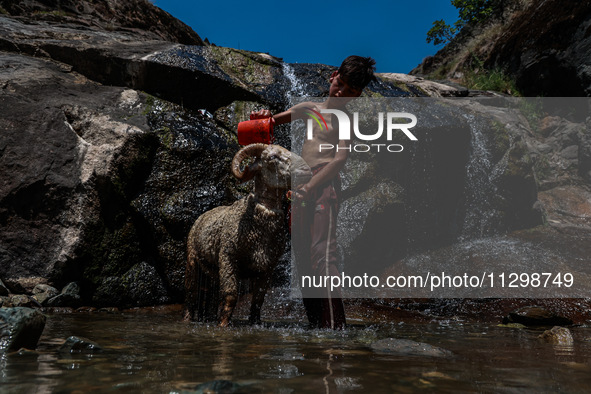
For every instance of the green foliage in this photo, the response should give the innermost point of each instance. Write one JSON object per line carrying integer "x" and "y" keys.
{"x": 495, "y": 80}
{"x": 475, "y": 10}
{"x": 470, "y": 11}
{"x": 441, "y": 32}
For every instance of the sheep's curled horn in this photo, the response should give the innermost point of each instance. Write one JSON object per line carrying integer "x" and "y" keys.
{"x": 253, "y": 150}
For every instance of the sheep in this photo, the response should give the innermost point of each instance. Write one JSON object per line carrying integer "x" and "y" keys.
{"x": 245, "y": 239}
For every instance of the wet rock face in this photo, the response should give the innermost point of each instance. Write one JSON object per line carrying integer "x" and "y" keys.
{"x": 468, "y": 176}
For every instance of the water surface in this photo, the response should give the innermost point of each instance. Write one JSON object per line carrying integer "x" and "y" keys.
{"x": 156, "y": 352}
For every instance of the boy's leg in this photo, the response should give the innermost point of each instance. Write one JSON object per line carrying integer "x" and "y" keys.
{"x": 301, "y": 230}
{"x": 313, "y": 311}
{"x": 324, "y": 257}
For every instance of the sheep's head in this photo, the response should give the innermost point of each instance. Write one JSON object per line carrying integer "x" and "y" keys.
{"x": 274, "y": 164}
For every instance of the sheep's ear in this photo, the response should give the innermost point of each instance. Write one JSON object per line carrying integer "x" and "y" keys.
{"x": 250, "y": 171}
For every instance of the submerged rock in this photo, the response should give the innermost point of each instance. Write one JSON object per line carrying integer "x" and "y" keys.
{"x": 218, "y": 386}
{"x": 75, "y": 345}
{"x": 20, "y": 328}
{"x": 558, "y": 336}
{"x": 406, "y": 347}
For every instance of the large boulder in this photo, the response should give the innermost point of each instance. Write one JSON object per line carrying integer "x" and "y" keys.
{"x": 76, "y": 155}
{"x": 140, "y": 286}
{"x": 140, "y": 17}
{"x": 56, "y": 152}
{"x": 124, "y": 58}
{"x": 20, "y": 328}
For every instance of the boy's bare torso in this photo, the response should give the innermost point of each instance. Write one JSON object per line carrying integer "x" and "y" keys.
{"x": 311, "y": 151}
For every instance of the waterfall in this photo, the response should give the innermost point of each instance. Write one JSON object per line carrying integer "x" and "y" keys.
{"x": 296, "y": 88}
{"x": 481, "y": 173}
{"x": 294, "y": 93}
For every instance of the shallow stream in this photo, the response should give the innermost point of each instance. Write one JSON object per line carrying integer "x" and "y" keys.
{"x": 155, "y": 352}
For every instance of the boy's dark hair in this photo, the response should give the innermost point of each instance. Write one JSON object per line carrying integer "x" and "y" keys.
{"x": 358, "y": 71}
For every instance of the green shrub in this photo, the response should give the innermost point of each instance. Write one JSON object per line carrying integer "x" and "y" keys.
{"x": 470, "y": 11}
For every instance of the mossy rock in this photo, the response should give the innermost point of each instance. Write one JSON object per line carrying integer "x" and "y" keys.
{"x": 248, "y": 69}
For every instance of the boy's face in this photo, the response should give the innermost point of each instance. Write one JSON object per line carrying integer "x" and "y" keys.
{"x": 340, "y": 88}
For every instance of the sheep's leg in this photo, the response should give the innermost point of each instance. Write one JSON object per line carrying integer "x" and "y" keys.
{"x": 229, "y": 291}
{"x": 259, "y": 289}
{"x": 191, "y": 286}
{"x": 205, "y": 294}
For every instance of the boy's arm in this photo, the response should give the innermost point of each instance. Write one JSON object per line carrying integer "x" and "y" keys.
{"x": 283, "y": 117}
{"x": 330, "y": 170}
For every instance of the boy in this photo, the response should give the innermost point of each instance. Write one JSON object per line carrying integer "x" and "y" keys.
{"x": 314, "y": 214}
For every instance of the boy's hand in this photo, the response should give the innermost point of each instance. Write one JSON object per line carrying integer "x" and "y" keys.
{"x": 262, "y": 114}
{"x": 301, "y": 192}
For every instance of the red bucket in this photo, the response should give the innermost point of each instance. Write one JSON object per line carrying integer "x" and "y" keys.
{"x": 256, "y": 131}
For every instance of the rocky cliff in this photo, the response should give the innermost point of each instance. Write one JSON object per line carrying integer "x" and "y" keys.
{"x": 118, "y": 125}
{"x": 543, "y": 46}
